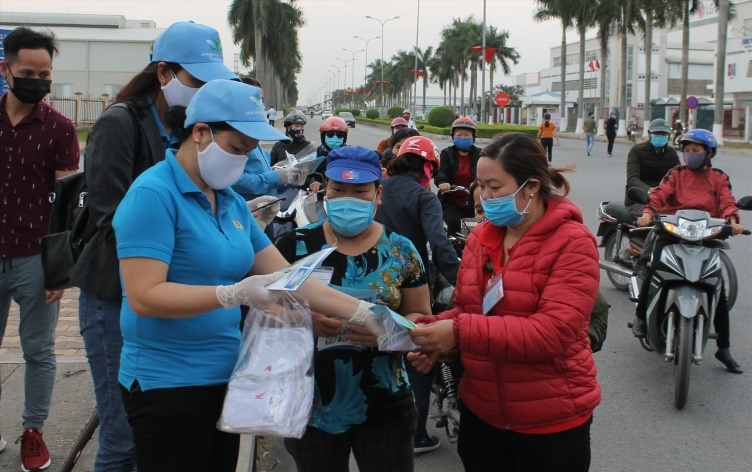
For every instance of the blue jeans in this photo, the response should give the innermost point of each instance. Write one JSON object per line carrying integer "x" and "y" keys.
{"x": 100, "y": 327}
{"x": 22, "y": 280}
{"x": 590, "y": 141}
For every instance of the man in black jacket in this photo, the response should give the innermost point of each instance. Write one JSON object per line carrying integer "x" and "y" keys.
{"x": 648, "y": 162}
{"x": 294, "y": 129}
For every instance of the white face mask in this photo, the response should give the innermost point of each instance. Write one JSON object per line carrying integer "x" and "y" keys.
{"x": 219, "y": 168}
{"x": 177, "y": 94}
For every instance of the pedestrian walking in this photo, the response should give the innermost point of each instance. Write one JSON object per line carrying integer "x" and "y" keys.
{"x": 39, "y": 146}
{"x": 271, "y": 115}
{"x": 589, "y": 127}
{"x": 546, "y": 134}
{"x": 611, "y": 126}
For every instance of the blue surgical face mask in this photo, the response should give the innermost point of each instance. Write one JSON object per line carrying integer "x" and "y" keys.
{"x": 502, "y": 211}
{"x": 334, "y": 142}
{"x": 463, "y": 144}
{"x": 349, "y": 216}
{"x": 658, "y": 141}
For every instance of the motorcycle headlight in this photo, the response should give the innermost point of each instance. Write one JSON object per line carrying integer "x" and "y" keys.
{"x": 692, "y": 230}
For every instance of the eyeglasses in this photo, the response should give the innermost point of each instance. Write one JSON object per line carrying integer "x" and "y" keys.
{"x": 331, "y": 134}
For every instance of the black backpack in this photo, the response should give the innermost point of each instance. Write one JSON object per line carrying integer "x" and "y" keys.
{"x": 69, "y": 227}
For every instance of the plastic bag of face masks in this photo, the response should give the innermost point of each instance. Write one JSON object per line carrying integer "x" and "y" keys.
{"x": 271, "y": 388}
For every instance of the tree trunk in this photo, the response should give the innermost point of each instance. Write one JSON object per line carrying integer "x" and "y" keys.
{"x": 581, "y": 86}
{"x": 720, "y": 69}
{"x": 491, "y": 94}
{"x": 647, "y": 116}
{"x": 425, "y": 85}
{"x": 603, "y": 108}
{"x": 563, "y": 104}
{"x": 623, "y": 119}
{"x": 462, "y": 89}
{"x": 684, "y": 65}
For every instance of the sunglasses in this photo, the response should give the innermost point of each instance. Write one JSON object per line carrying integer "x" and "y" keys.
{"x": 331, "y": 134}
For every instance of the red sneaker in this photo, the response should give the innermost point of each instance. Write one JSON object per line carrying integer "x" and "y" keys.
{"x": 34, "y": 453}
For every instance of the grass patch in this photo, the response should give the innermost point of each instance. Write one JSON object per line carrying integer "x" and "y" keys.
{"x": 736, "y": 145}
{"x": 484, "y": 131}
{"x": 83, "y": 134}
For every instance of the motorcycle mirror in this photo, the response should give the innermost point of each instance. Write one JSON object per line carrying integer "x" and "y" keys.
{"x": 638, "y": 195}
{"x": 745, "y": 203}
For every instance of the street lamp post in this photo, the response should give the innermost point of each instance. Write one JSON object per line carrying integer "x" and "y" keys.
{"x": 365, "y": 68}
{"x": 344, "y": 78}
{"x": 415, "y": 84}
{"x": 339, "y": 68}
{"x": 382, "y": 52}
{"x": 352, "y": 80}
{"x": 483, "y": 69}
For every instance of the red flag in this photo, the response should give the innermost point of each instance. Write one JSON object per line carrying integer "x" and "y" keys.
{"x": 368, "y": 89}
{"x": 590, "y": 65}
{"x": 597, "y": 64}
{"x": 476, "y": 48}
{"x": 490, "y": 54}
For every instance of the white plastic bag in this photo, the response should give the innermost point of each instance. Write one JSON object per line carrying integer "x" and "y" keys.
{"x": 271, "y": 388}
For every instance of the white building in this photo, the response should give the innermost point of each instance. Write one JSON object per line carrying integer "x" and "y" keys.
{"x": 665, "y": 71}
{"x": 98, "y": 53}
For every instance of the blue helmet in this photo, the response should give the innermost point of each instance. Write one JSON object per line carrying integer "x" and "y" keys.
{"x": 701, "y": 136}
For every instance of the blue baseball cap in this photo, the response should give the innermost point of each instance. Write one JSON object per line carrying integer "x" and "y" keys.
{"x": 353, "y": 165}
{"x": 195, "y": 47}
{"x": 235, "y": 103}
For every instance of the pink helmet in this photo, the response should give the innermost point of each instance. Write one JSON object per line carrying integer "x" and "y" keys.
{"x": 399, "y": 121}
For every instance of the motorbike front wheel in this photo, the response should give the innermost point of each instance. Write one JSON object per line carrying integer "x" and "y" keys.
{"x": 618, "y": 281}
{"x": 729, "y": 279}
{"x": 682, "y": 358}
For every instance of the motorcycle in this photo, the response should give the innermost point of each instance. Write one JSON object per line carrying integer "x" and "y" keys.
{"x": 623, "y": 242}
{"x": 685, "y": 288}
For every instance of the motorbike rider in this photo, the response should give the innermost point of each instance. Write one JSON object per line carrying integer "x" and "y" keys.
{"x": 294, "y": 129}
{"x": 413, "y": 211}
{"x": 457, "y": 167}
{"x": 386, "y": 143}
{"x": 678, "y": 131}
{"x": 648, "y": 162}
{"x": 695, "y": 184}
{"x": 410, "y": 123}
{"x": 333, "y": 132}
{"x": 400, "y": 136}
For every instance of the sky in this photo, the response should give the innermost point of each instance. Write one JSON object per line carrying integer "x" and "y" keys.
{"x": 331, "y": 25}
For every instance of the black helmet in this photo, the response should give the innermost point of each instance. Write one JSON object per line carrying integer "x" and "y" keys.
{"x": 294, "y": 119}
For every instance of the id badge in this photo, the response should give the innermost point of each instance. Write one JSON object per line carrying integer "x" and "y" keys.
{"x": 493, "y": 293}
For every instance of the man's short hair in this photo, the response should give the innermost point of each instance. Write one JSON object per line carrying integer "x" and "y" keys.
{"x": 251, "y": 81}
{"x": 24, "y": 37}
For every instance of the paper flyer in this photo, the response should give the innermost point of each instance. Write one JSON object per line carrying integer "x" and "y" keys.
{"x": 297, "y": 273}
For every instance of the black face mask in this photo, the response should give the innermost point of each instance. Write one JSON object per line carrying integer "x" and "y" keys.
{"x": 296, "y": 134}
{"x": 30, "y": 91}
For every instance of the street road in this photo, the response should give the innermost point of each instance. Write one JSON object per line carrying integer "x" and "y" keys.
{"x": 636, "y": 427}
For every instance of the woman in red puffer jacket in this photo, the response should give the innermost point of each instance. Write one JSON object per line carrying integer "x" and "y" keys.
{"x": 530, "y": 385}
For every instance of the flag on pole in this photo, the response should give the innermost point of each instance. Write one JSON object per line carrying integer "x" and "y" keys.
{"x": 597, "y": 64}
{"x": 591, "y": 66}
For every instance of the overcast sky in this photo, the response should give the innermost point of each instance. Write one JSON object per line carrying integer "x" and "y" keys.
{"x": 331, "y": 25}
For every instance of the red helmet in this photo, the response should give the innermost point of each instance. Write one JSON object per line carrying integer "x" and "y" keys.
{"x": 399, "y": 121}
{"x": 421, "y": 147}
{"x": 333, "y": 123}
{"x": 464, "y": 122}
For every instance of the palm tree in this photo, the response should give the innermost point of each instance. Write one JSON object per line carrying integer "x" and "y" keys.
{"x": 724, "y": 12}
{"x": 584, "y": 18}
{"x": 264, "y": 29}
{"x": 629, "y": 20}
{"x": 503, "y": 54}
{"x": 456, "y": 41}
{"x": 425, "y": 59}
{"x": 561, "y": 10}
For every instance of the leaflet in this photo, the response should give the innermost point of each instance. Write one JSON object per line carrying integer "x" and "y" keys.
{"x": 297, "y": 273}
{"x": 306, "y": 164}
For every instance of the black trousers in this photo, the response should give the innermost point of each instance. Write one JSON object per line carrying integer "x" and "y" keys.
{"x": 611, "y": 138}
{"x": 453, "y": 216}
{"x": 383, "y": 443}
{"x": 484, "y": 448}
{"x": 420, "y": 384}
{"x": 175, "y": 429}
{"x": 548, "y": 145}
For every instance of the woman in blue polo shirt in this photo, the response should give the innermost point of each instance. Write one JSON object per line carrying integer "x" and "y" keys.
{"x": 186, "y": 241}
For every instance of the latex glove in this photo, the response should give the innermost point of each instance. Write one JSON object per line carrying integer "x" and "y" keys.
{"x": 287, "y": 175}
{"x": 265, "y": 216}
{"x": 371, "y": 321}
{"x": 250, "y": 291}
{"x": 299, "y": 180}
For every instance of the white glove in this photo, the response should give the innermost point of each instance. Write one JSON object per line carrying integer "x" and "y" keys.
{"x": 299, "y": 180}
{"x": 250, "y": 291}
{"x": 287, "y": 175}
{"x": 371, "y": 321}
{"x": 265, "y": 216}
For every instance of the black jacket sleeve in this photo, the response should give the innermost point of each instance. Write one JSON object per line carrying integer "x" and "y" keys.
{"x": 443, "y": 252}
{"x": 445, "y": 159}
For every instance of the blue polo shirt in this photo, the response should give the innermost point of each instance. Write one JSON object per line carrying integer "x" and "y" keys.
{"x": 165, "y": 216}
